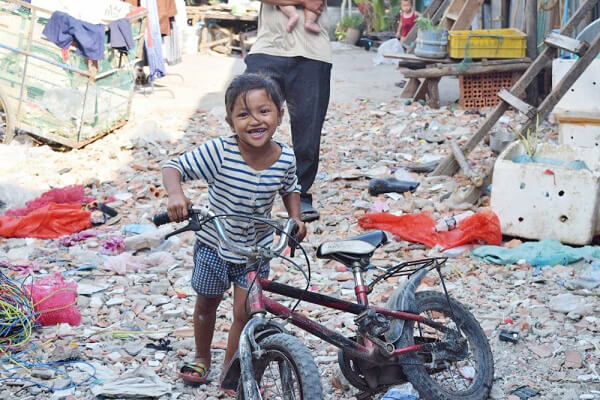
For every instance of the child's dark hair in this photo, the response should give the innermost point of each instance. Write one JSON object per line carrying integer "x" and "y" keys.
{"x": 242, "y": 84}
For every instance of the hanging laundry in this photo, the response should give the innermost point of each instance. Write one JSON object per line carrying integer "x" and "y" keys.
{"x": 62, "y": 30}
{"x": 121, "y": 37}
{"x": 153, "y": 47}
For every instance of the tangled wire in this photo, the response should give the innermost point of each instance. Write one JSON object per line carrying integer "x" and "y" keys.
{"x": 17, "y": 315}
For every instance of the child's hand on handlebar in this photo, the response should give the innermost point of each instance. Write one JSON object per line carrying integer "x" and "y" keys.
{"x": 301, "y": 234}
{"x": 178, "y": 207}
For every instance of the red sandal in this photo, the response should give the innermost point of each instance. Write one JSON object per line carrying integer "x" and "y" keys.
{"x": 186, "y": 371}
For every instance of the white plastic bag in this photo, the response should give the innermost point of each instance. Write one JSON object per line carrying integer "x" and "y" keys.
{"x": 392, "y": 46}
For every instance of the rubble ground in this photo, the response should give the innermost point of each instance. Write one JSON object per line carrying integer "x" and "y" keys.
{"x": 558, "y": 349}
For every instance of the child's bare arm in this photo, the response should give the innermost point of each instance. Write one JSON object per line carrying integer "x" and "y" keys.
{"x": 292, "y": 205}
{"x": 178, "y": 203}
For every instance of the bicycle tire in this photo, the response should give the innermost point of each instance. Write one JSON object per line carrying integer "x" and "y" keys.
{"x": 414, "y": 364}
{"x": 283, "y": 347}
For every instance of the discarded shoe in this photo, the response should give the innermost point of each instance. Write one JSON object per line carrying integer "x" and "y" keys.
{"x": 379, "y": 186}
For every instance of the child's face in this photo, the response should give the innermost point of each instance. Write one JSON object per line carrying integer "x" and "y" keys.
{"x": 406, "y": 6}
{"x": 256, "y": 121}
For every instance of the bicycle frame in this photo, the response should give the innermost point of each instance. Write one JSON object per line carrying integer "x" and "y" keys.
{"x": 259, "y": 303}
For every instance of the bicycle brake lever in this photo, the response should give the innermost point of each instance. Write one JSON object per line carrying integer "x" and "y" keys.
{"x": 193, "y": 225}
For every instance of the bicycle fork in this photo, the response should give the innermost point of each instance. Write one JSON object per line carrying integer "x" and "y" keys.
{"x": 246, "y": 349}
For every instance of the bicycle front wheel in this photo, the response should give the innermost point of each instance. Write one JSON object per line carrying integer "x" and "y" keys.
{"x": 286, "y": 370}
{"x": 465, "y": 373}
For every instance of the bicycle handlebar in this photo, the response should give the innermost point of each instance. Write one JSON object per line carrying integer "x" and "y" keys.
{"x": 198, "y": 214}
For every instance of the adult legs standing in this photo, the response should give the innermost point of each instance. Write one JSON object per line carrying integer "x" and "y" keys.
{"x": 306, "y": 87}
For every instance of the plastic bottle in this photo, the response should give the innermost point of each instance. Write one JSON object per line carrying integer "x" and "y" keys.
{"x": 447, "y": 224}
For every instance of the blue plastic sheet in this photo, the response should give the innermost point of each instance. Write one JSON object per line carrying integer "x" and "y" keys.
{"x": 545, "y": 252}
{"x": 526, "y": 159}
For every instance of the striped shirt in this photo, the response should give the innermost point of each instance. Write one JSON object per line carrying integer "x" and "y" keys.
{"x": 236, "y": 188}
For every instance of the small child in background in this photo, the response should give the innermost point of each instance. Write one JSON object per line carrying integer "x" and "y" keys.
{"x": 408, "y": 16}
{"x": 310, "y": 19}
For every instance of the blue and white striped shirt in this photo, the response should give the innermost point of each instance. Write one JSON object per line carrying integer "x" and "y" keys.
{"x": 236, "y": 188}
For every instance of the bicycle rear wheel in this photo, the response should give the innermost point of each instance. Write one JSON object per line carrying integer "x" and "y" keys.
{"x": 465, "y": 373}
{"x": 286, "y": 370}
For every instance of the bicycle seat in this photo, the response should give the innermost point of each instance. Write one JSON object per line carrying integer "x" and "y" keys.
{"x": 351, "y": 249}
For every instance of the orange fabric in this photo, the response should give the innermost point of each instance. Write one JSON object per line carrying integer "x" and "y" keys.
{"x": 49, "y": 222}
{"x": 481, "y": 227}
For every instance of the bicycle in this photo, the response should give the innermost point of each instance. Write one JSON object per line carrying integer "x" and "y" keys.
{"x": 426, "y": 338}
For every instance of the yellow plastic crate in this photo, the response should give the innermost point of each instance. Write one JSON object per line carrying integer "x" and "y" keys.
{"x": 487, "y": 43}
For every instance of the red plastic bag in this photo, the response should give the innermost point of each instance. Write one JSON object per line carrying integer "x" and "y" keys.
{"x": 68, "y": 195}
{"x": 54, "y": 300}
{"x": 48, "y": 222}
{"x": 482, "y": 227}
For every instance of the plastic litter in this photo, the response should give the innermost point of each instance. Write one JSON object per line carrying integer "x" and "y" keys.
{"x": 67, "y": 195}
{"x": 127, "y": 262}
{"x": 392, "y": 46}
{"x": 545, "y": 252}
{"x": 398, "y": 394}
{"x": 450, "y": 223}
{"x": 113, "y": 245}
{"x": 379, "y": 186}
{"x": 49, "y": 222}
{"x": 526, "y": 159}
{"x": 54, "y": 300}
{"x": 588, "y": 277}
{"x": 483, "y": 227}
{"x": 142, "y": 382}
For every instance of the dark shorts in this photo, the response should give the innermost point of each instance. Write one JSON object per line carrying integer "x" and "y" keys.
{"x": 212, "y": 275}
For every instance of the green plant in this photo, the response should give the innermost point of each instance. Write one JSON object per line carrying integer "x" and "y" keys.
{"x": 426, "y": 24}
{"x": 353, "y": 21}
{"x": 529, "y": 141}
{"x": 378, "y": 17}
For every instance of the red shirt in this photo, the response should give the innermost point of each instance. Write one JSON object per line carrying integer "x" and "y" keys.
{"x": 407, "y": 23}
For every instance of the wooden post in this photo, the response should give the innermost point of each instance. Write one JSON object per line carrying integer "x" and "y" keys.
{"x": 531, "y": 28}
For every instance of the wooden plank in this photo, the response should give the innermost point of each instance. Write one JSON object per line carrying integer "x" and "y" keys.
{"x": 410, "y": 89}
{"x": 412, "y": 57}
{"x": 566, "y": 43}
{"x": 516, "y": 103}
{"x": 421, "y": 92}
{"x": 433, "y": 93}
{"x": 449, "y": 166}
{"x": 461, "y": 70}
{"x": 464, "y": 164}
{"x": 467, "y": 13}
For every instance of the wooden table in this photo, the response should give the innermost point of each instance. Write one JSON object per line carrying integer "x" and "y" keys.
{"x": 222, "y": 38}
{"x": 424, "y": 74}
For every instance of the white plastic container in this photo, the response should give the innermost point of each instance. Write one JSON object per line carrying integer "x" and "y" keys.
{"x": 582, "y": 134}
{"x": 538, "y": 201}
{"x": 582, "y": 100}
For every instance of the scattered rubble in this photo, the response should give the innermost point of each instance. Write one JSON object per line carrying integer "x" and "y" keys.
{"x": 140, "y": 292}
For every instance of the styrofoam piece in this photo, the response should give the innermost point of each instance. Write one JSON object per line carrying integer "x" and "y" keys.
{"x": 539, "y": 201}
{"x": 579, "y": 134}
{"x": 582, "y": 100}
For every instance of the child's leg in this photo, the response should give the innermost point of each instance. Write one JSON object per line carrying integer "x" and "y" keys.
{"x": 205, "y": 315}
{"x": 240, "y": 317}
{"x": 310, "y": 22}
{"x": 292, "y": 14}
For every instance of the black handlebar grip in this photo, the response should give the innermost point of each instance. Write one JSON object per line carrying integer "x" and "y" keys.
{"x": 292, "y": 243}
{"x": 161, "y": 219}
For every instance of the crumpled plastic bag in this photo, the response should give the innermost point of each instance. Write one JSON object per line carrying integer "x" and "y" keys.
{"x": 482, "y": 227}
{"x": 68, "y": 195}
{"x": 139, "y": 383}
{"x": 49, "y": 222}
{"x": 127, "y": 262}
{"x": 545, "y": 252}
{"x": 392, "y": 46}
{"x": 54, "y": 300}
